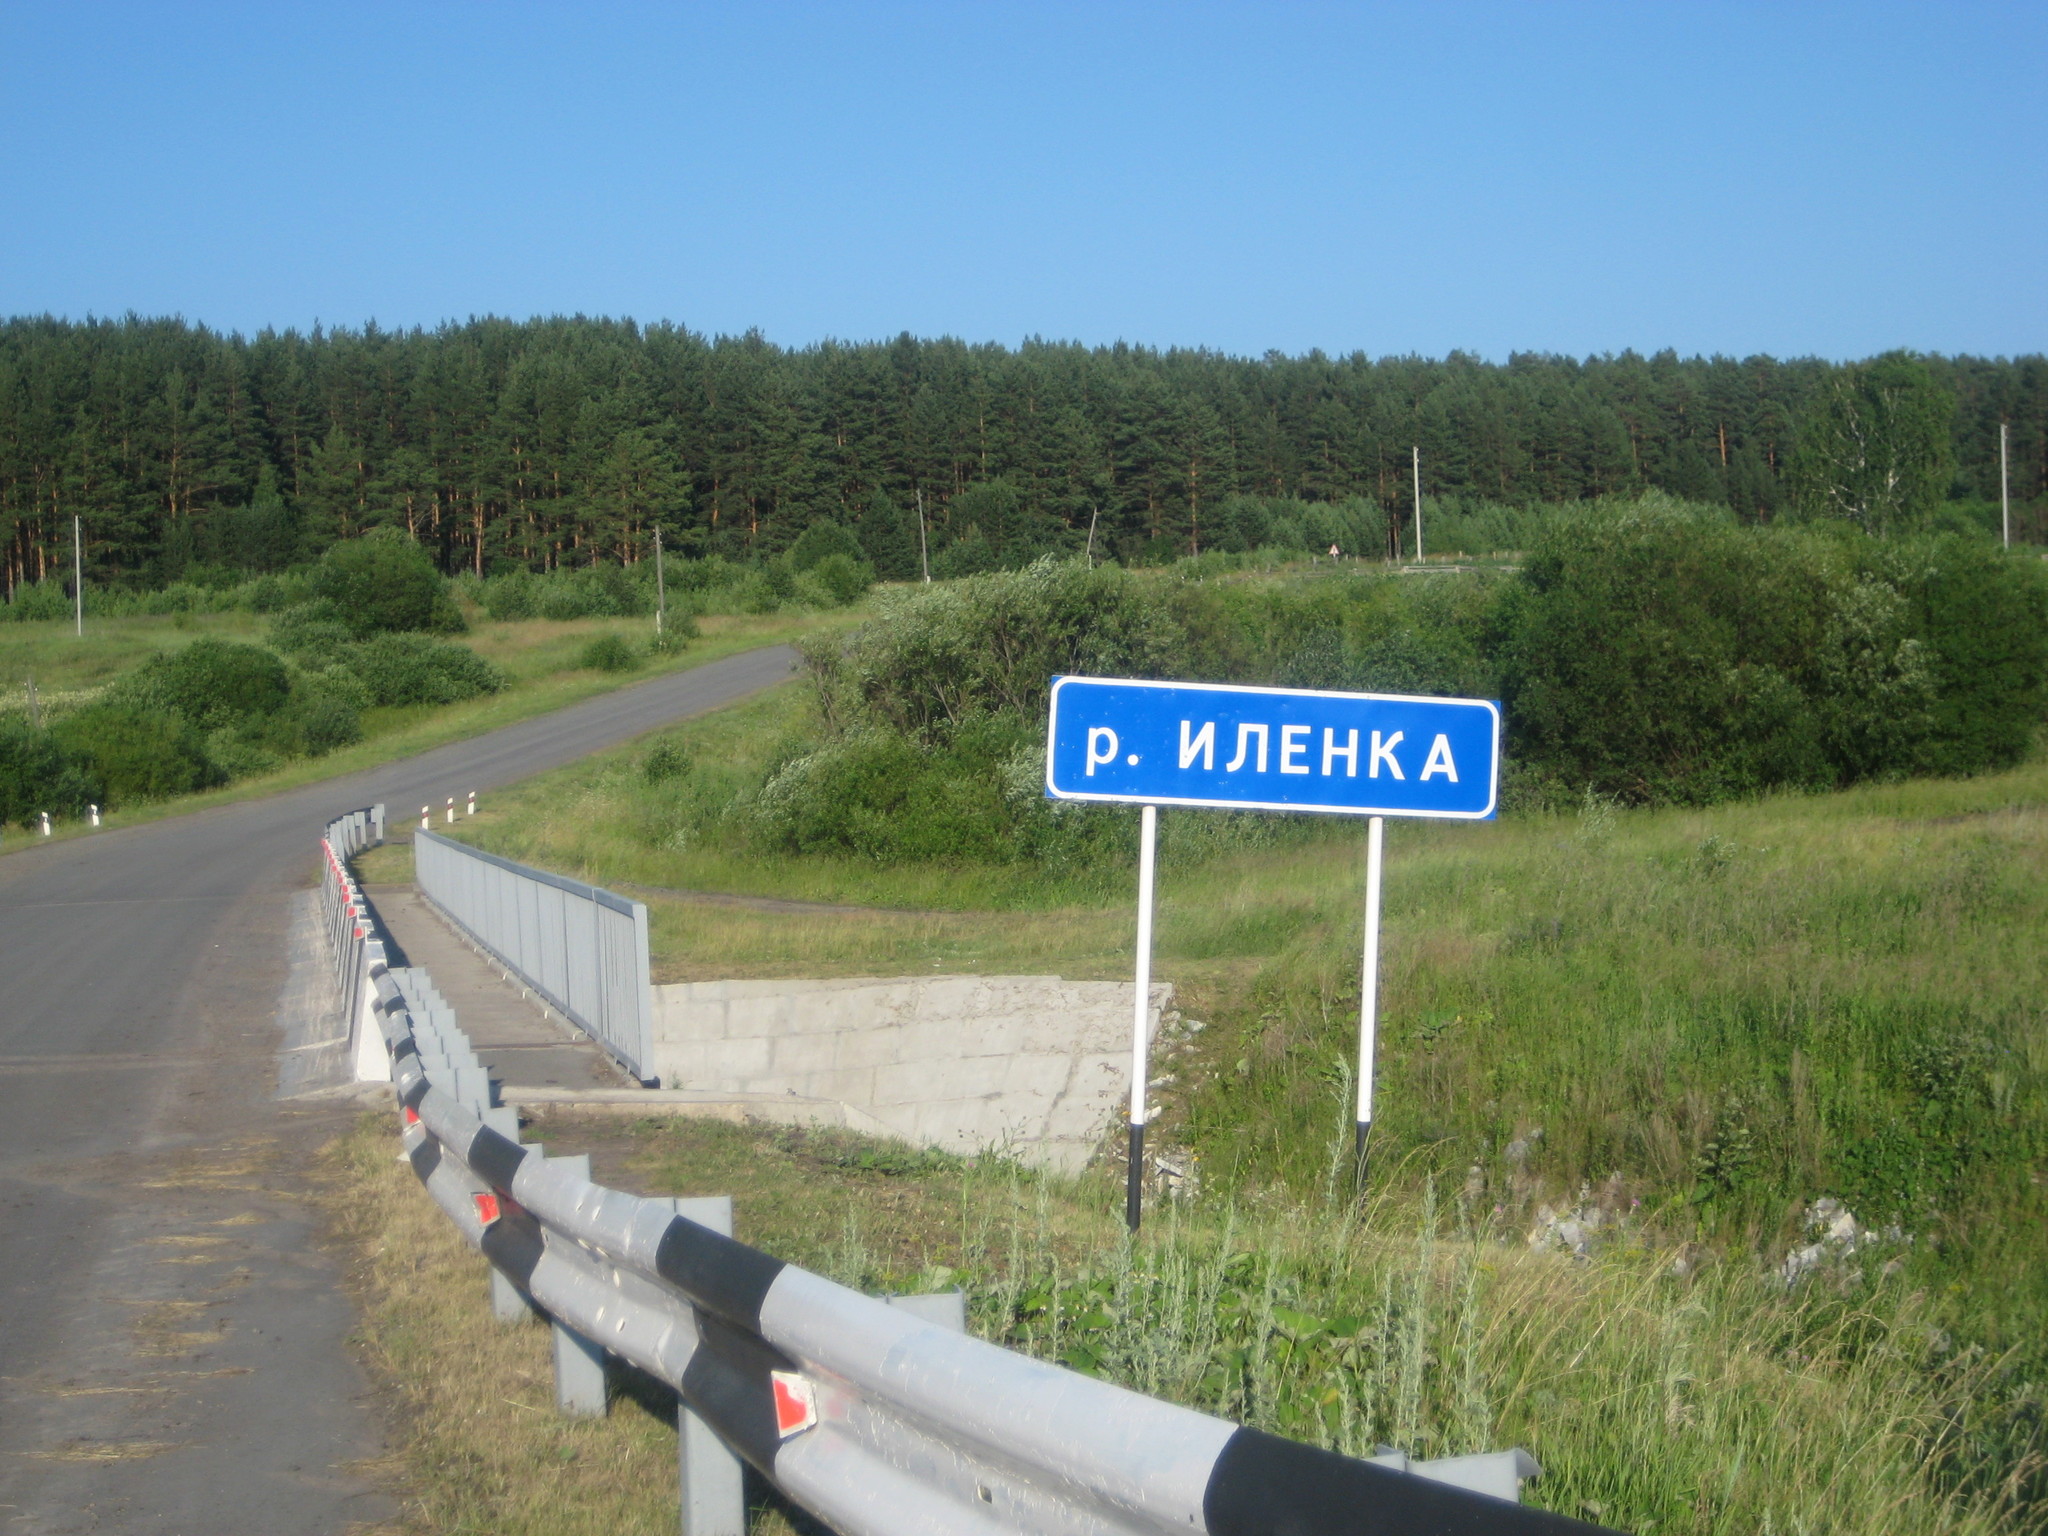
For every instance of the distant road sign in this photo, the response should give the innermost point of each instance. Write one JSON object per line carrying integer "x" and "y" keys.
{"x": 1272, "y": 749}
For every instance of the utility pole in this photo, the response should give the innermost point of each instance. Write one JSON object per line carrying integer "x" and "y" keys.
{"x": 1417, "y": 453}
{"x": 924, "y": 552}
{"x": 2004, "y": 490}
{"x": 1093, "y": 513}
{"x": 78, "y": 571}
{"x": 660, "y": 587}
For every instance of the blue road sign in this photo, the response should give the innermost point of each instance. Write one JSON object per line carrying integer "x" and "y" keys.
{"x": 1272, "y": 749}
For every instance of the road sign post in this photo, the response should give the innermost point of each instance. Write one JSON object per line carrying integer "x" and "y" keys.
{"x": 1141, "y": 1011}
{"x": 1131, "y": 742}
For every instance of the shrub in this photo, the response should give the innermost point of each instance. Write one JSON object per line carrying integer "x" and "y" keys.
{"x": 383, "y": 581}
{"x": 38, "y": 600}
{"x": 609, "y": 653}
{"x": 411, "y": 669}
{"x": 1983, "y": 617}
{"x": 679, "y": 628}
{"x": 1658, "y": 658}
{"x": 838, "y": 580}
{"x": 324, "y": 713}
{"x": 820, "y": 541}
{"x": 274, "y": 594}
{"x": 509, "y": 596}
{"x": 313, "y": 628}
{"x": 594, "y": 592}
{"x": 1661, "y": 657}
{"x": 137, "y": 753}
{"x": 37, "y": 775}
{"x": 213, "y": 683}
{"x": 938, "y": 657}
{"x": 879, "y": 795}
{"x": 667, "y": 760}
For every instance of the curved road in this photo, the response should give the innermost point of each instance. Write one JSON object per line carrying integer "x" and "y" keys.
{"x": 171, "y": 1336}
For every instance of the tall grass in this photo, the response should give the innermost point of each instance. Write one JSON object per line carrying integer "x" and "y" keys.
{"x": 1703, "y": 1020}
{"x": 1661, "y": 1391}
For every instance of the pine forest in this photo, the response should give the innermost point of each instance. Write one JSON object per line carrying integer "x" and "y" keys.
{"x": 566, "y": 442}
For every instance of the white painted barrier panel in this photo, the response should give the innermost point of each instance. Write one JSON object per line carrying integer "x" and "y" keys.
{"x": 579, "y": 947}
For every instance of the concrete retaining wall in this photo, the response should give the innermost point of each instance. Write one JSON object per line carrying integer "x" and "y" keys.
{"x": 1036, "y": 1064}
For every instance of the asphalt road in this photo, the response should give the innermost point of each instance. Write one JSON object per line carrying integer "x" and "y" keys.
{"x": 172, "y": 1335}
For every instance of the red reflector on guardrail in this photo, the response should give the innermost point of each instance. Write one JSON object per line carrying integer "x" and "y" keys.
{"x": 796, "y": 1402}
{"x": 412, "y": 1116}
{"x": 487, "y": 1207}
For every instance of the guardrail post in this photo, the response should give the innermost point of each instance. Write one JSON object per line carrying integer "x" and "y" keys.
{"x": 580, "y": 1385}
{"x": 508, "y": 1302}
{"x": 714, "y": 1501}
{"x": 948, "y": 1309}
{"x": 580, "y": 1390}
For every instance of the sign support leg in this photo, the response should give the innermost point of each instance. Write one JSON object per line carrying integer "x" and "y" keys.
{"x": 1141, "y": 1009}
{"x": 1369, "y": 987}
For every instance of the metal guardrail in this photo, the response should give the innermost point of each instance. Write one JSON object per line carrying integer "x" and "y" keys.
{"x": 874, "y": 1418}
{"x": 581, "y": 948}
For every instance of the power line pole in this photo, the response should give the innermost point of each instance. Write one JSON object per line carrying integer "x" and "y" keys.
{"x": 2004, "y": 490}
{"x": 1093, "y": 513}
{"x": 923, "y": 550}
{"x": 1417, "y": 452}
{"x": 78, "y": 573}
{"x": 660, "y": 587}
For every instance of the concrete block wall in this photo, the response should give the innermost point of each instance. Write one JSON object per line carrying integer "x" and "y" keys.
{"x": 1038, "y": 1064}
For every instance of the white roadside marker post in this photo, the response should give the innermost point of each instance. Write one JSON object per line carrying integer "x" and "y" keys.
{"x": 1141, "y": 1008}
{"x": 426, "y": 817}
{"x": 1369, "y": 987}
{"x": 451, "y": 810}
{"x": 472, "y": 802}
{"x": 46, "y": 823}
{"x": 95, "y": 814}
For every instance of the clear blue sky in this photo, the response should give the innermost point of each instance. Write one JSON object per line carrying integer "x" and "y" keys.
{"x": 1787, "y": 178}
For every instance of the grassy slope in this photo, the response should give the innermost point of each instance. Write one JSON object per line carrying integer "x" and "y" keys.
{"x": 1657, "y": 1401}
{"x": 541, "y": 660}
{"x": 1699, "y": 1020}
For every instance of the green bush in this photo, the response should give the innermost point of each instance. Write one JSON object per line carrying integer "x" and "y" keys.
{"x": 213, "y": 683}
{"x": 1983, "y": 615}
{"x": 820, "y": 541}
{"x": 879, "y": 795}
{"x": 38, "y": 600}
{"x": 508, "y": 596}
{"x": 324, "y": 713}
{"x": 382, "y": 582}
{"x": 311, "y": 629}
{"x": 609, "y": 653}
{"x": 666, "y": 760}
{"x": 1661, "y": 657}
{"x": 938, "y": 657}
{"x": 838, "y": 580}
{"x": 412, "y": 669}
{"x": 679, "y": 628}
{"x": 274, "y": 594}
{"x": 37, "y": 775}
{"x": 137, "y": 753}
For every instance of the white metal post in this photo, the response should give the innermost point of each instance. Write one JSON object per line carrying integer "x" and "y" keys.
{"x": 924, "y": 552}
{"x": 2004, "y": 491}
{"x": 1141, "y": 1010}
{"x": 1369, "y": 985}
{"x": 660, "y": 587}
{"x": 78, "y": 572}
{"x": 1416, "y": 452}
